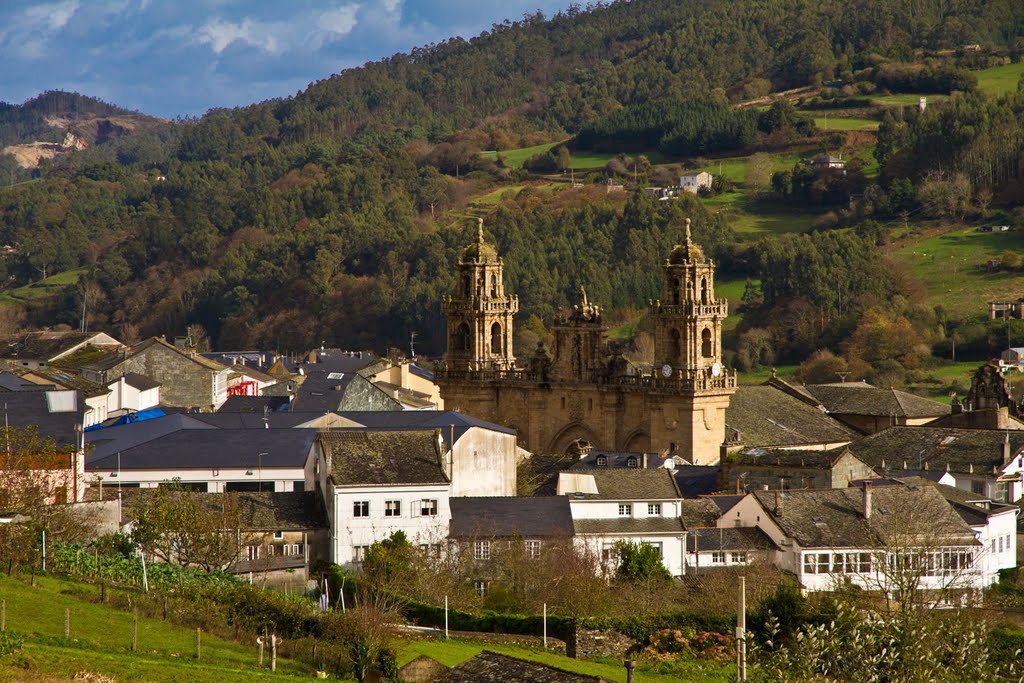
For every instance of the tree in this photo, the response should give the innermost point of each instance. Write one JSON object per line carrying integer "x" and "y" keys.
{"x": 759, "y": 173}
{"x": 181, "y": 526}
{"x": 389, "y": 562}
{"x": 822, "y": 367}
{"x": 640, "y": 562}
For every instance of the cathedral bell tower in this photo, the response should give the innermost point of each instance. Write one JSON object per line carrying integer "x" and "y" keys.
{"x": 688, "y": 318}
{"x": 479, "y": 314}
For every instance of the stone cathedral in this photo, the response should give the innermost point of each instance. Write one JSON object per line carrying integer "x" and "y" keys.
{"x": 580, "y": 389}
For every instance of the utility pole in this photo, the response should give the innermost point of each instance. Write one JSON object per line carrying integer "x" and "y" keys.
{"x": 741, "y": 633}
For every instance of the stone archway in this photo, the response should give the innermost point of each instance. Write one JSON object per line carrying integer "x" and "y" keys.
{"x": 637, "y": 442}
{"x": 565, "y": 437}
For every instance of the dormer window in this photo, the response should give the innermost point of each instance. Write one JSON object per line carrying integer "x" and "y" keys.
{"x": 602, "y": 461}
{"x": 632, "y": 461}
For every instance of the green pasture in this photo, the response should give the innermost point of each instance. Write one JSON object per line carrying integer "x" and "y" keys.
{"x": 454, "y": 652}
{"x": 514, "y": 158}
{"x": 101, "y": 640}
{"x": 906, "y": 99}
{"x": 762, "y": 375}
{"x": 953, "y": 268}
{"x": 844, "y": 123}
{"x": 1000, "y": 80}
{"x": 43, "y": 288}
{"x": 751, "y": 217}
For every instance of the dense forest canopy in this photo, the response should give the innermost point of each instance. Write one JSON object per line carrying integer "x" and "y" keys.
{"x": 314, "y": 218}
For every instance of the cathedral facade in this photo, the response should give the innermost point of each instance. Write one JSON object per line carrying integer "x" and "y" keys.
{"x": 580, "y": 389}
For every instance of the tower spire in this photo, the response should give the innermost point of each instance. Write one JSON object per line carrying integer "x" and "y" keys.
{"x": 480, "y": 230}
{"x": 688, "y": 236}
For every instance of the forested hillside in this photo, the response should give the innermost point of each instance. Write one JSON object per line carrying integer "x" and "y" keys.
{"x": 336, "y": 215}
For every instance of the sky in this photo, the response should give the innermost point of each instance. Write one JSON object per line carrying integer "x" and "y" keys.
{"x": 182, "y": 57}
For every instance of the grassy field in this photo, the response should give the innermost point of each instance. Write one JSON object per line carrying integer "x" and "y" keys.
{"x": 514, "y": 158}
{"x": 101, "y": 641}
{"x": 762, "y": 375}
{"x": 1000, "y": 80}
{"x": 953, "y": 268}
{"x": 42, "y": 289}
{"x": 752, "y": 218}
{"x": 844, "y": 123}
{"x": 905, "y": 99}
{"x": 454, "y": 652}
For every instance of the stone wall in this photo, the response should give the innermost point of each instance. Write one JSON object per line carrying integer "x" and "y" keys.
{"x": 588, "y": 644}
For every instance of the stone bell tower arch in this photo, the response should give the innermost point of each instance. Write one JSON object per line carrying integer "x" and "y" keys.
{"x": 478, "y": 312}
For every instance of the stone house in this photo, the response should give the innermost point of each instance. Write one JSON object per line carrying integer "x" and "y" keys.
{"x": 771, "y": 468}
{"x": 695, "y": 181}
{"x": 986, "y": 462}
{"x": 31, "y": 350}
{"x": 339, "y": 391}
{"x": 865, "y": 408}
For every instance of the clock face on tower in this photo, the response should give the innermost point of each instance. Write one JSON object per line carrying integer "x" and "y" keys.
{"x": 666, "y": 371}
{"x": 716, "y": 370}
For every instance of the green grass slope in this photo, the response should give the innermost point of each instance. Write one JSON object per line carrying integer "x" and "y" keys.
{"x": 101, "y": 641}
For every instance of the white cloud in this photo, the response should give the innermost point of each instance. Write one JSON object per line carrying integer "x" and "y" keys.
{"x": 28, "y": 33}
{"x": 340, "y": 21}
{"x": 278, "y": 37}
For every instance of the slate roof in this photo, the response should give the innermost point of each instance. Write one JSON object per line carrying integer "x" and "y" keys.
{"x": 197, "y": 358}
{"x": 360, "y": 458}
{"x": 696, "y": 480}
{"x": 725, "y": 502}
{"x": 491, "y": 667}
{"x": 207, "y": 448}
{"x": 12, "y": 382}
{"x": 938, "y": 448}
{"x": 68, "y": 380}
{"x": 254, "y": 404}
{"x": 629, "y": 525}
{"x": 833, "y": 518}
{"x": 618, "y": 459}
{"x": 326, "y": 391}
{"x": 255, "y": 420}
{"x": 780, "y": 457}
{"x": 541, "y": 517}
{"x": 445, "y": 420}
{"x": 699, "y": 513}
{"x": 974, "y": 509}
{"x": 263, "y": 511}
{"x": 337, "y": 360}
{"x": 140, "y": 382}
{"x": 252, "y": 372}
{"x": 36, "y": 408}
{"x": 766, "y": 416}
{"x": 107, "y": 442}
{"x": 41, "y": 345}
{"x": 92, "y": 358}
{"x": 860, "y": 398}
{"x": 631, "y": 484}
{"x": 733, "y": 539}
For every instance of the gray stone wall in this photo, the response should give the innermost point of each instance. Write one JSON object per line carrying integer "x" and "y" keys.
{"x": 589, "y": 644}
{"x": 183, "y": 382}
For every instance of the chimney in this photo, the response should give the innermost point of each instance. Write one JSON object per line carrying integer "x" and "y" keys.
{"x": 630, "y": 665}
{"x": 778, "y": 503}
{"x": 737, "y": 486}
{"x": 643, "y": 460}
{"x": 1007, "y": 454}
{"x": 867, "y": 500}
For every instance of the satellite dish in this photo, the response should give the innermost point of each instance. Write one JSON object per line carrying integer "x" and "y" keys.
{"x": 716, "y": 370}
{"x": 666, "y": 370}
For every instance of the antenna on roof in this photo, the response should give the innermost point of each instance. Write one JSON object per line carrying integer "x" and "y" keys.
{"x": 842, "y": 376}
{"x": 412, "y": 344}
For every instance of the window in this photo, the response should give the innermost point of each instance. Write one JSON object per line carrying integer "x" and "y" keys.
{"x": 481, "y": 550}
{"x": 738, "y": 558}
{"x": 252, "y": 552}
{"x": 978, "y": 487}
{"x": 654, "y": 509}
{"x": 299, "y": 486}
{"x": 1001, "y": 492}
{"x": 359, "y": 553}
{"x": 480, "y": 587}
{"x": 431, "y": 549}
{"x": 1000, "y": 544}
{"x": 428, "y": 508}
{"x": 705, "y": 343}
{"x": 602, "y": 461}
{"x": 361, "y": 508}
{"x": 632, "y": 461}
{"x": 392, "y": 508}
{"x": 533, "y": 549}
{"x": 278, "y": 535}
{"x": 718, "y": 558}
{"x": 609, "y": 553}
{"x": 625, "y": 509}
{"x": 656, "y": 546}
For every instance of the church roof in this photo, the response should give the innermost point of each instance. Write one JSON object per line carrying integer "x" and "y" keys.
{"x": 687, "y": 252}
{"x": 480, "y": 251}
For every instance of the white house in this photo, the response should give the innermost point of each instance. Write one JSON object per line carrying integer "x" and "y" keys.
{"x": 377, "y": 483}
{"x": 865, "y": 535}
{"x": 1012, "y": 358}
{"x": 131, "y": 393}
{"x": 995, "y": 525}
{"x": 634, "y": 505}
{"x": 695, "y": 181}
{"x": 202, "y": 457}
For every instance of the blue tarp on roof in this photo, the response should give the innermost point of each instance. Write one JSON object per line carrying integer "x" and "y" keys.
{"x": 128, "y": 419}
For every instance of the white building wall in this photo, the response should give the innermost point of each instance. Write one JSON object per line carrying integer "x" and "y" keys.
{"x": 672, "y": 547}
{"x": 350, "y": 533}
{"x": 216, "y": 479}
{"x": 999, "y": 545}
{"x": 123, "y": 397}
{"x": 609, "y": 509}
{"x": 483, "y": 463}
